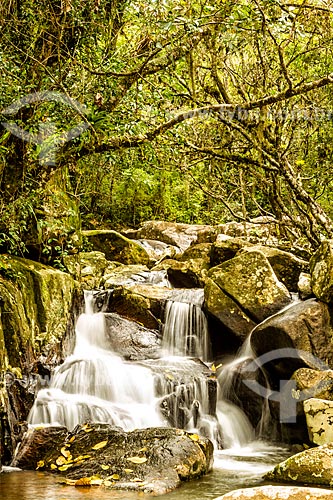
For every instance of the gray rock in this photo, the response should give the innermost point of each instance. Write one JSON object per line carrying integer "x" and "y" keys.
{"x": 321, "y": 267}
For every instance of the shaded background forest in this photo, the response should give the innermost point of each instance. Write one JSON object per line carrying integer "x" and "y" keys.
{"x": 257, "y": 76}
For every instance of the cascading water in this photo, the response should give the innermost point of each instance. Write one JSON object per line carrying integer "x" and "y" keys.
{"x": 185, "y": 330}
{"x": 96, "y": 385}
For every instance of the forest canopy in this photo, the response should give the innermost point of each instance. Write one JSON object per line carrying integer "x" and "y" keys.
{"x": 190, "y": 111}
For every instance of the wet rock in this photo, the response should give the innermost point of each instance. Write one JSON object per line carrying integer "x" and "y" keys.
{"x": 222, "y": 307}
{"x": 304, "y": 286}
{"x": 305, "y": 327}
{"x": 321, "y": 267}
{"x": 314, "y": 383}
{"x": 278, "y": 493}
{"x": 200, "y": 251}
{"x": 319, "y": 420}
{"x": 131, "y": 340}
{"x": 286, "y": 266}
{"x": 158, "y": 250}
{"x": 179, "y": 235}
{"x": 250, "y": 281}
{"x": 141, "y": 303}
{"x": 117, "y": 247}
{"x": 153, "y": 460}
{"x": 312, "y": 466}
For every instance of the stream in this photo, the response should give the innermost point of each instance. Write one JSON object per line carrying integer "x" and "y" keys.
{"x": 96, "y": 384}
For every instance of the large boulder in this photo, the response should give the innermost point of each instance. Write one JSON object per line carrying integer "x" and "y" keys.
{"x": 116, "y": 247}
{"x": 314, "y": 383}
{"x": 319, "y": 420}
{"x": 179, "y": 235}
{"x": 251, "y": 282}
{"x": 123, "y": 275}
{"x": 321, "y": 266}
{"x": 154, "y": 460}
{"x": 87, "y": 267}
{"x": 131, "y": 340}
{"x": 286, "y": 266}
{"x": 312, "y": 466}
{"x": 305, "y": 327}
{"x": 270, "y": 492}
{"x": 35, "y": 314}
{"x": 142, "y": 303}
{"x": 228, "y": 313}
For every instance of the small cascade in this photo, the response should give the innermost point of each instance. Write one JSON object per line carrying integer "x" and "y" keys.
{"x": 185, "y": 330}
{"x": 96, "y": 385}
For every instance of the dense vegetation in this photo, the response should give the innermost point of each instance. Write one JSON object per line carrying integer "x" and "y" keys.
{"x": 196, "y": 111}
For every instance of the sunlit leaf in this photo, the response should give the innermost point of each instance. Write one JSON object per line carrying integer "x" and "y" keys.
{"x": 116, "y": 477}
{"x": 53, "y": 466}
{"x": 194, "y": 437}
{"x": 97, "y": 482}
{"x": 65, "y": 467}
{"x": 100, "y": 445}
{"x": 128, "y": 471}
{"x": 40, "y": 464}
{"x": 61, "y": 460}
{"x": 137, "y": 460}
{"x": 83, "y": 481}
{"x": 105, "y": 467}
{"x": 106, "y": 482}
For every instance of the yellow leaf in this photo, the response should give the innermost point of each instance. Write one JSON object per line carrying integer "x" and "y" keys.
{"x": 81, "y": 457}
{"x": 53, "y": 466}
{"x": 83, "y": 481}
{"x": 40, "y": 464}
{"x": 143, "y": 449}
{"x": 128, "y": 471}
{"x": 61, "y": 460}
{"x": 100, "y": 445}
{"x": 116, "y": 477}
{"x": 65, "y": 453}
{"x": 70, "y": 482}
{"x": 97, "y": 481}
{"x": 213, "y": 368}
{"x": 72, "y": 439}
{"x": 105, "y": 467}
{"x": 106, "y": 482}
{"x": 65, "y": 467}
{"x": 137, "y": 480}
{"x": 194, "y": 437}
{"x": 137, "y": 460}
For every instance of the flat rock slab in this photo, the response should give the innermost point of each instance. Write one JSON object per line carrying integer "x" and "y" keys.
{"x": 153, "y": 460}
{"x": 278, "y": 493}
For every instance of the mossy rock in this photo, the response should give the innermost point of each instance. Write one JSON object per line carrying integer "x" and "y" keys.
{"x": 312, "y": 466}
{"x": 321, "y": 267}
{"x": 270, "y": 492}
{"x": 186, "y": 274}
{"x": 251, "y": 282}
{"x": 117, "y": 247}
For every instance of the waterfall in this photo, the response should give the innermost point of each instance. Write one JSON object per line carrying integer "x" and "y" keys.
{"x": 185, "y": 330}
{"x": 94, "y": 384}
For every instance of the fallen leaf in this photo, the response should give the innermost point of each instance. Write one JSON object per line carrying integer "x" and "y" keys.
{"x": 106, "y": 482}
{"x": 137, "y": 480}
{"x": 116, "y": 477}
{"x": 81, "y": 457}
{"x": 194, "y": 437}
{"x": 128, "y": 471}
{"x": 70, "y": 482}
{"x": 143, "y": 449}
{"x": 65, "y": 453}
{"x": 137, "y": 460}
{"x": 100, "y": 445}
{"x": 61, "y": 460}
{"x": 105, "y": 467}
{"x": 72, "y": 439}
{"x": 53, "y": 466}
{"x": 97, "y": 482}
{"x": 40, "y": 464}
{"x": 65, "y": 467}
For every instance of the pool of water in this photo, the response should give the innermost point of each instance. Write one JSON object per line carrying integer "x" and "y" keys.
{"x": 233, "y": 468}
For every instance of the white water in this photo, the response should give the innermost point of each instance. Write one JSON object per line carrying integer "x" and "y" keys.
{"x": 185, "y": 330}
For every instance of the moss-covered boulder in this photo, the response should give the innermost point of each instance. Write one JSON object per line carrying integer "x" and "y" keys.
{"x": 35, "y": 313}
{"x": 270, "y": 492}
{"x": 286, "y": 266}
{"x": 228, "y": 313}
{"x": 314, "y": 383}
{"x": 154, "y": 460}
{"x": 117, "y": 247}
{"x": 251, "y": 282}
{"x": 124, "y": 275}
{"x": 321, "y": 267}
{"x": 87, "y": 267}
{"x": 312, "y": 466}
